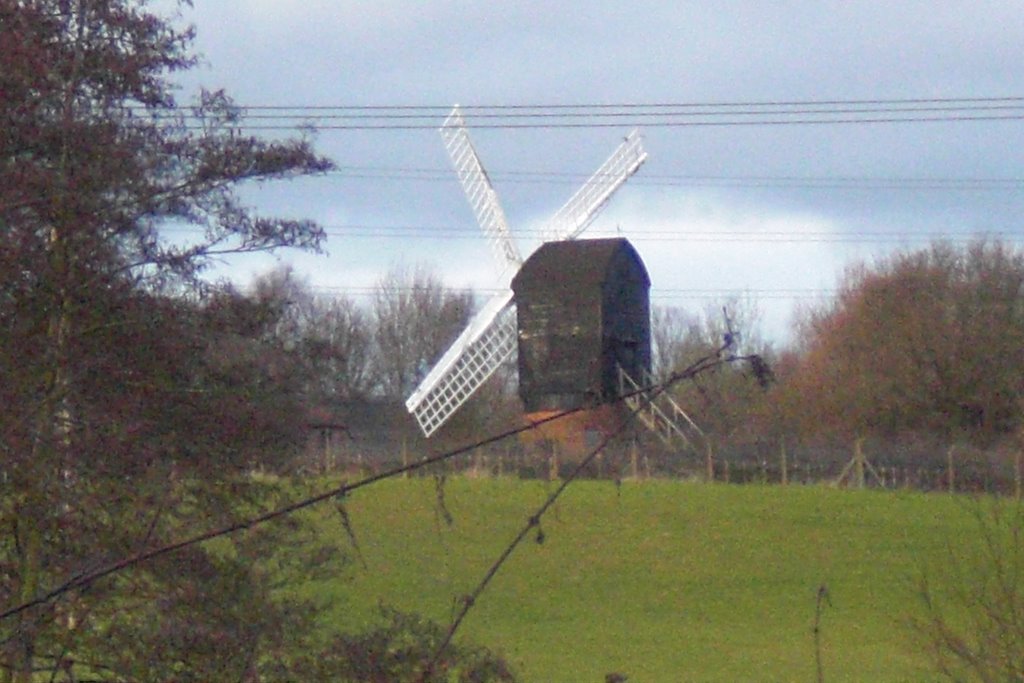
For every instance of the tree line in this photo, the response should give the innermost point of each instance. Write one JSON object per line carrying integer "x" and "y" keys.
{"x": 919, "y": 355}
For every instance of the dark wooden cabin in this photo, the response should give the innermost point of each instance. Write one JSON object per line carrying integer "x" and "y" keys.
{"x": 583, "y": 309}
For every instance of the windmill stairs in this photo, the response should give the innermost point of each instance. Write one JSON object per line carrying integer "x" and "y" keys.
{"x": 658, "y": 412}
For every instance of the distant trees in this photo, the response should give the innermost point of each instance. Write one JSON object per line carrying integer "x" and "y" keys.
{"x": 930, "y": 341}
{"x": 724, "y": 402}
{"x": 415, "y": 319}
{"x": 922, "y": 348}
{"x": 350, "y": 352}
{"x": 330, "y": 337}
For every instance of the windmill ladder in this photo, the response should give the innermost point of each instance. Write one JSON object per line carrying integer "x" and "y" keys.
{"x": 659, "y": 414}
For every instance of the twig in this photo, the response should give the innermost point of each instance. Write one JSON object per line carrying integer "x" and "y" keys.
{"x": 533, "y": 521}
{"x": 823, "y": 597}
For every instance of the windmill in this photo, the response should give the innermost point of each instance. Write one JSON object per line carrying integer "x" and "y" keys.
{"x": 490, "y": 338}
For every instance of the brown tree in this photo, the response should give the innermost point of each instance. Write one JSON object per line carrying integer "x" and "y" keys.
{"x": 929, "y": 341}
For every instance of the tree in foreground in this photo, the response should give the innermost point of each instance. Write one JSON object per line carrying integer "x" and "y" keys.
{"x": 137, "y": 400}
{"x": 131, "y": 395}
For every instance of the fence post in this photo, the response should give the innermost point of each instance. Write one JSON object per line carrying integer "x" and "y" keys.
{"x": 709, "y": 460}
{"x": 782, "y": 459}
{"x": 1016, "y": 472}
{"x": 950, "y": 472}
{"x": 633, "y": 459}
{"x": 858, "y": 454}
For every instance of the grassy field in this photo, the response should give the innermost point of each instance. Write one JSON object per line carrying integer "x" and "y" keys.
{"x": 661, "y": 580}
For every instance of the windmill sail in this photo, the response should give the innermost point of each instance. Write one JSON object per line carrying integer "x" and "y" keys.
{"x": 482, "y": 347}
{"x": 582, "y": 208}
{"x": 491, "y": 337}
{"x": 479, "y": 193}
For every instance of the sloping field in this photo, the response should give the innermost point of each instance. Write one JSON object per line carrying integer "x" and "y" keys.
{"x": 659, "y": 580}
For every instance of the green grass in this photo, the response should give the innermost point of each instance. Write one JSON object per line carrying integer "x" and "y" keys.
{"x": 663, "y": 581}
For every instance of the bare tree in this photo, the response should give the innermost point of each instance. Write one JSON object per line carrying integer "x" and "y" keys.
{"x": 725, "y": 401}
{"x": 415, "y": 319}
{"x": 331, "y": 336}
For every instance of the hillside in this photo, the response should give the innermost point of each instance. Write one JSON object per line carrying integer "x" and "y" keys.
{"x": 660, "y": 580}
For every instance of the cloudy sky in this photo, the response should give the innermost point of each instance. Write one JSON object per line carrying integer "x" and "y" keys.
{"x": 757, "y": 204}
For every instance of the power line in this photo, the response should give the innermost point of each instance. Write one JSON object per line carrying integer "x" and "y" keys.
{"x": 445, "y": 108}
{"x": 472, "y": 233}
{"x": 653, "y": 123}
{"x": 589, "y": 115}
{"x": 88, "y": 577}
{"x": 687, "y": 180}
{"x": 341, "y": 115}
{"x": 670, "y": 294}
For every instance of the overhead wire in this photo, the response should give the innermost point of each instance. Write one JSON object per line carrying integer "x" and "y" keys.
{"x": 648, "y": 395}
{"x": 257, "y": 117}
{"x": 87, "y": 577}
{"x": 524, "y": 177}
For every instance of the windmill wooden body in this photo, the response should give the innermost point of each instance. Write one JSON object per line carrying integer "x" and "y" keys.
{"x": 584, "y": 322}
{"x": 583, "y": 315}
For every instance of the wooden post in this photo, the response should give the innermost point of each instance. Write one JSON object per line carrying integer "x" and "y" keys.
{"x": 950, "y": 472}
{"x": 782, "y": 461}
{"x": 633, "y": 459}
{"x": 858, "y": 455}
{"x": 405, "y": 458}
{"x": 725, "y": 473}
{"x": 553, "y": 463}
{"x": 1016, "y": 472}
{"x": 709, "y": 460}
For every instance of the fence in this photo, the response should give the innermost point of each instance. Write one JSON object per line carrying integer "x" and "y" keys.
{"x": 915, "y": 463}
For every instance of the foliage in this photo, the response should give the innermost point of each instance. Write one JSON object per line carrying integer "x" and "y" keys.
{"x": 399, "y": 650}
{"x": 136, "y": 399}
{"x": 929, "y": 341}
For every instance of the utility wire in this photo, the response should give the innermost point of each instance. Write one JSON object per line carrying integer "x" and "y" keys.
{"x": 648, "y": 396}
{"x": 683, "y": 180}
{"x": 661, "y": 293}
{"x": 665, "y": 114}
{"x": 87, "y": 577}
{"x": 647, "y": 123}
{"x": 445, "y": 108}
